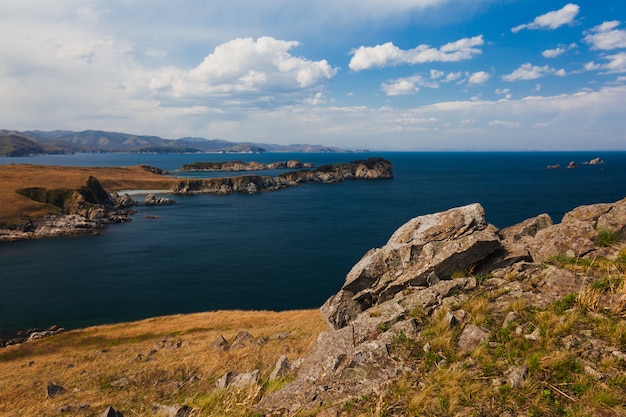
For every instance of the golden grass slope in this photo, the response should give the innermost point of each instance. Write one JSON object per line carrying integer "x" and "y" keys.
{"x": 16, "y": 208}
{"x": 166, "y": 360}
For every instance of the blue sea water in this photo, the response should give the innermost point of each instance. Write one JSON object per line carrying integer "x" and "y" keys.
{"x": 274, "y": 251}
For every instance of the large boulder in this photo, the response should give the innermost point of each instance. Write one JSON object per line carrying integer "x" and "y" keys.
{"x": 423, "y": 251}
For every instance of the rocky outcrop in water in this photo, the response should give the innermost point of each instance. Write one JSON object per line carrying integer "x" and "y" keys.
{"x": 373, "y": 168}
{"x": 432, "y": 263}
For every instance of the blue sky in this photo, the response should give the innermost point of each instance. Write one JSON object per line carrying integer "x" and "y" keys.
{"x": 373, "y": 74}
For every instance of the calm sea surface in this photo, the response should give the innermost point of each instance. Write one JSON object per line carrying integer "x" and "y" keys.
{"x": 281, "y": 250}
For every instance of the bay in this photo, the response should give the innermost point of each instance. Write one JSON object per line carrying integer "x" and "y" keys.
{"x": 273, "y": 251}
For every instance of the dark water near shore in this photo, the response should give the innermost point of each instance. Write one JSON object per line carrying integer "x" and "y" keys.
{"x": 282, "y": 250}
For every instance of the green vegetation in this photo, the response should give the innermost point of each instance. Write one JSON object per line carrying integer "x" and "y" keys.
{"x": 607, "y": 237}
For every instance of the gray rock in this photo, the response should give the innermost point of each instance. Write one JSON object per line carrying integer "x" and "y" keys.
{"x": 421, "y": 252}
{"x": 152, "y": 200}
{"x": 472, "y": 337}
{"x": 110, "y": 412}
{"x": 282, "y": 368}
{"x": 516, "y": 375}
{"x": 53, "y": 390}
{"x": 245, "y": 379}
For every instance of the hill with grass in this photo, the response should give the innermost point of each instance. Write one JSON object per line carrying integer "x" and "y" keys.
{"x": 452, "y": 317}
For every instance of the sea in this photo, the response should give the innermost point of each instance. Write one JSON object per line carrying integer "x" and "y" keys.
{"x": 283, "y": 250}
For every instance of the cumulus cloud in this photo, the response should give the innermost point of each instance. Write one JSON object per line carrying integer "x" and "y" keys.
{"x": 387, "y": 54}
{"x": 557, "y": 52}
{"x": 606, "y": 37}
{"x": 528, "y": 71}
{"x": 504, "y": 123}
{"x": 479, "y": 77}
{"x": 552, "y": 20}
{"x": 255, "y": 69}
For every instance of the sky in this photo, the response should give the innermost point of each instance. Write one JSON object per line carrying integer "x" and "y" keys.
{"x": 395, "y": 75}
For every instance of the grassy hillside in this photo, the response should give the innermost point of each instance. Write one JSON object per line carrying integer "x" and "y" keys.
{"x": 167, "y": 360}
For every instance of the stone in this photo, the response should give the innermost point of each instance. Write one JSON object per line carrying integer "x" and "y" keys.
{"x": 282, "y": 368}
{"x": 110, "y": 412}
{"x": 572, "y": 165}
{"x": 242, "y": 339}
{"x": 225, "y": 380}
{"x": 472, "y": 337}
{"x": 516, "y": 375}
{"x": 53, "y": 390}
{"x": 439, "y": 244}
{"x": 245, "y": 379}
{"x": 152, "y": 200}
{"x": 220, "y": 343}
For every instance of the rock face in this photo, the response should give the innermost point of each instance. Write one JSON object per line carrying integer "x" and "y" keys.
{"x": 373, "y": 168}
{"x": 422, "y": 252}
{"x": 421, "y": 269}
{"x": 233, "y": 166}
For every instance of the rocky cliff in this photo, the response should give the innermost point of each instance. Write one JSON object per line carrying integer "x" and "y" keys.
{"x": 234, "y": 166}
{"x": 372, "y": 168}
{"x": 431, "y": 270}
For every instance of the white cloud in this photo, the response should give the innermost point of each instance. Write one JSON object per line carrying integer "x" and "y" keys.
{"x": 387, "y": 54}
{"x": 479, "y": 77}
{"x": 552, "y": 20}
{"x": 616, "y": 64}
{"x": 528, "y": 71}
{"x": 553, "y": 53}
{"x": 606, "y": 37}
{"x": 407, "y": 85}
{"x": 434, "y": 74}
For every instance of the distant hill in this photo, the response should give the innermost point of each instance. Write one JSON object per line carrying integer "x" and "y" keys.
{"x": 35, "y": 142}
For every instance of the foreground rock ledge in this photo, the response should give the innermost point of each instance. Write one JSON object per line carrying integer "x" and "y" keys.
{"x": 415, "y": 271}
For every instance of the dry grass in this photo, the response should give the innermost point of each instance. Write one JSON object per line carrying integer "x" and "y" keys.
{"x": 16, "y": 208}
{"x": 168, "y": 360}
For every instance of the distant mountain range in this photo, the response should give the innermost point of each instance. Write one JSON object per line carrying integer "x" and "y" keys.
{"x": 34, "y": 142}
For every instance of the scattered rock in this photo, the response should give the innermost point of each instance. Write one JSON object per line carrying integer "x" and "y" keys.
{"x": 555, "y": 166}
{"x": 242, "y": 339}
{"x": 53, "y": 390}
{"x": 596, "y": 161}
{"x": 472, "y": 337}
{"x": 572, "y": 165}
{"x": 516, "y": 375}
{"x": 110, "y": 412}
{"x": 535, "y": 336}
{"x": 597, "y": 375}
{"x": 220, "y": 343}
{"x": 282, "y": 368}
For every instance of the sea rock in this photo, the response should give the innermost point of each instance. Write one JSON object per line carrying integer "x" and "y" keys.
{"x": 152, "y": 200}
{"x": 555, "y": 166}
{"x": 441, "y": 244}
{"x": 596, "y": 161}
{"x": 572, "y": 165}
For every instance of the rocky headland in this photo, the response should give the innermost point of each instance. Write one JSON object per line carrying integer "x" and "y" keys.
{"x": 236, "y": 166}
{"x": 372, "y": 168}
